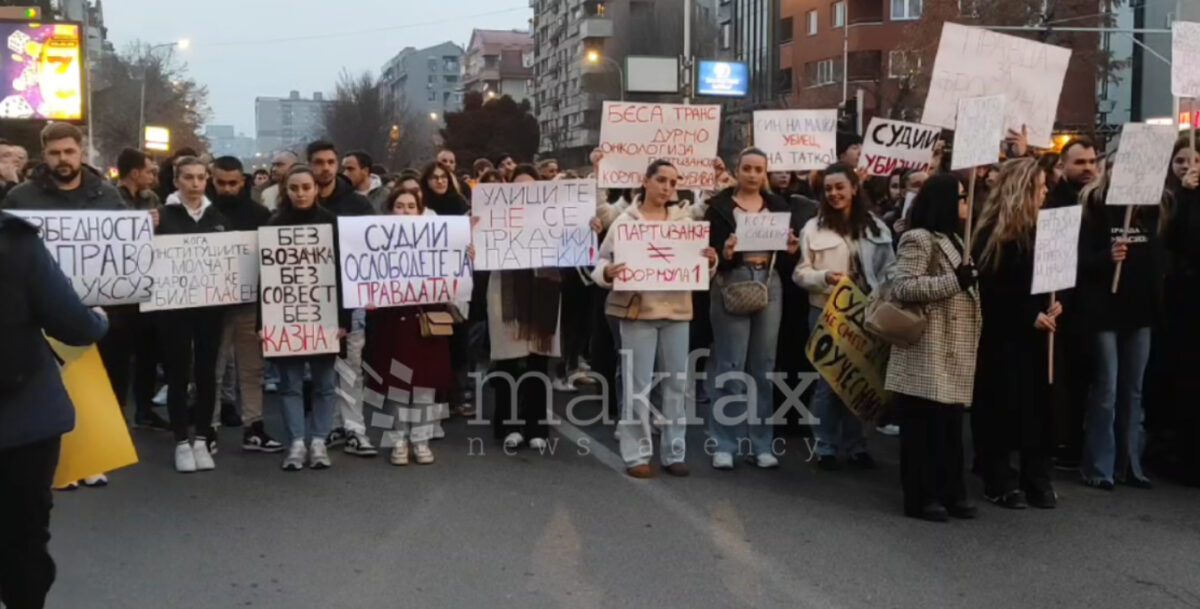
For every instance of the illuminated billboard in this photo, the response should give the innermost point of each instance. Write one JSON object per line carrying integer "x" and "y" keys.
{"x": 721, "y": 78}
{"x": 41, "y": 71}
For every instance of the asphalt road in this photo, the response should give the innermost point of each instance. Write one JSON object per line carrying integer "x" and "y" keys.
{"x": 483, "y": 529}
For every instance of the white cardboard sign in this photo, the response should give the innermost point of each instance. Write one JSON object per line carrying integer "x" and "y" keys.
{"x": 1142, "y": 161}
{"x": 299, "y": 293}
{"x": 889, "y": 145}
{"x": 1185, "y": 59}
{"x": 393, "y": 261}
{"x": 979, "y": 131}
{"x": 661, "y": 256}
{"x": 1056, "y": 249}
{"x": 762, "y": 232}
{"x": 633, "y": 135}
{"x": 533, "y": 225}
{"x": 796, "y": 140}
{"x": 204, "y": 270}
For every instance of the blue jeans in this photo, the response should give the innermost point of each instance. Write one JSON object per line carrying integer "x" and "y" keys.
{"x": 291, "y": 396}
{"x": 836, "y": 426}
{"x": 743, "y": 347}
{"x": 648, "y": 341}
{"x": 1113, "y": 435}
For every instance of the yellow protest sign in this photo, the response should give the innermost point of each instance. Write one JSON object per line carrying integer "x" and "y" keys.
{"x": 852, "y": 360}
{"x": 100, "y": 442}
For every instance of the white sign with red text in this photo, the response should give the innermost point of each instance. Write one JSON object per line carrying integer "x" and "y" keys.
{"x": 633, "y": 135}
{"x": 298, "y": 290}
{"x": 661, "y": 256}
{"x": 796, "y": 140}
{"x": 889, "y": 145}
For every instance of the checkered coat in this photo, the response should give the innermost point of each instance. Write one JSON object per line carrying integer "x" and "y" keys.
{"x": 941, "y": 367}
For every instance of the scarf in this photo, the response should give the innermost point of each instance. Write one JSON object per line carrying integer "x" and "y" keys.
{"x": 530, "y": 299}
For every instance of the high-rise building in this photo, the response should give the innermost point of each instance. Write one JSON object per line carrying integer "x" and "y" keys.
{"x": 224, "y": 141}
{"x": 288, "y": 123}
{"x": 91, "y": 14}
{"x": 499, "y": 62}
{"x": 425, "y": 81}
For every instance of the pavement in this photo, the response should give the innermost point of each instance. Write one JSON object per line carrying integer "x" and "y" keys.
{"x": 481, "y": 528}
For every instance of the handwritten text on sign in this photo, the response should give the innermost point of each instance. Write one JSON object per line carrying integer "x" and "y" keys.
{"x": 1056, "y": 249}
{"x": 634, "y": 135}
{"x": 533, "y": 225}
{"x": 762, "y": 232}
{"x": 974, "y": 62}
{"x": 392, "y": 261}
{"x": 106, "y": 254}
{"x": 889, "y": 145}
{"x": 299, "y": 290}
{"x": 797, "y": 140}
{"x": 1140, "y": 168}
{"x": 979, "y": 131}
{"x": 204, "y": 270}
{"x": 1185, "y": 59}
{"x": 851, "y": 359}
{"x": 661, "y": 256}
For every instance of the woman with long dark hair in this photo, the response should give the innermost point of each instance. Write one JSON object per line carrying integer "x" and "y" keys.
{"x": 438, "y": 193}
{"x": 1011, "y": 408}
{"x": 844, "y": 239}
{"x": 933, "y": 380}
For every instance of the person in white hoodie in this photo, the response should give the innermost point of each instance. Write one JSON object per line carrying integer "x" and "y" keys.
{"x": 652, "y": 323}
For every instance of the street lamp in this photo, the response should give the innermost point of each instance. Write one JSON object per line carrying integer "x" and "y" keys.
{"x": 181, "y": 44}
{"x": 594, "y": 57}
{"x": 433, "y": 116}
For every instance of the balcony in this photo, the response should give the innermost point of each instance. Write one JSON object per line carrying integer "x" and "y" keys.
{"x": 595, "y": 27}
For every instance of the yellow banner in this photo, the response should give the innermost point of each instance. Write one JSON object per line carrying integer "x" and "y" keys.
{"x": 100, "y": 442}
{"x": 852, "y": 360}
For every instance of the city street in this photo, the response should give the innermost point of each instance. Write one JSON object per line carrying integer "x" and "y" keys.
{"x": 570, "y": 530}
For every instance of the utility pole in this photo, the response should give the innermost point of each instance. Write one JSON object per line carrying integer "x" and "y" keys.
{"x": 845, "y": 51}
{"x": 687, "y": 51}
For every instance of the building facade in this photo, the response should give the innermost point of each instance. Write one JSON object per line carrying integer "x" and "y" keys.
{"x": 223, "y": 140}
{"x": 425, "y": 81}
{"x": 288, "y": 123}
{"x": 498, "y": 63}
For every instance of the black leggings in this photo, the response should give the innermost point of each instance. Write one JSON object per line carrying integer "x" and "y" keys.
{"x": 191, "y": 341}
{"x": 26, "y": 569}
{"x": 528, "y": 415}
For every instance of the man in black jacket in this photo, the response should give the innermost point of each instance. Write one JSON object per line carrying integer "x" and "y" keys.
{"x": 1079, "y": 169}
{"x": 335, "y": 192}
{"x": 240, "y": 335}
{"x": 35, "y": 410}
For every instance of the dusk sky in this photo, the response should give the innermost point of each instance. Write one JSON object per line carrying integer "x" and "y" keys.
{"x": 242, "y": 49}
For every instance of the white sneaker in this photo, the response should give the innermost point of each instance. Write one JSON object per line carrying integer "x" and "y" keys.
{"x": 359, "y": 445}
{"x": 564, "y": 386}
{"x": 722, "y": 461}
{"x": 96, "y": 481}
{"x": 766, "y": 461}
{"x": 889, "y": 430}
{"x": 185, "y": 459}
{"x": 160, "y": 398}
{"x": 204, "y": 460}
{"x": 513, "y": 440}
{"x": 297, "y": 453}
{"x": 422, "y": 453}
{"x": 400, "y": 454}
{"x": 318, "y": 456}
{"x": 438, "y": 432}
{"x": 538, "y": 444}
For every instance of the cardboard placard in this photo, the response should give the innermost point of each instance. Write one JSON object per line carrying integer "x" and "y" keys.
{"x": 100, "y": 442}
{"x": 889, "y": 145}
{"x": 974, "y": 62}
{"x": 632, "y": 135}
{"x": 765, "y": 231}
{"x": 661, "y": 256}
{"x": 394, "y": 261}
{"x": 107, "y": 255}
{"x": 1185, "y": 59}
{"x": 851, "y": 359}
{"x": 204, "y": 270}
{"x": 1056, "y": 249}
{"x": 534, "y": 224}
{"x": 797, "y": 140}
{"x": 979, "y": 131}
{"x": 298, "y": 269}
{"x": 1141, "y": 165}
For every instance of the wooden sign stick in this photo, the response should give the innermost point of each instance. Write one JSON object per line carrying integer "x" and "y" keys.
{"x": 1050, "y": 359}
{"x": 970, "y": 214}
{"x": 1124, "y": 235}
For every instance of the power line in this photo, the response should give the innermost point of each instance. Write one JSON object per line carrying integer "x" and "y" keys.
{"x": 390, "y": 28}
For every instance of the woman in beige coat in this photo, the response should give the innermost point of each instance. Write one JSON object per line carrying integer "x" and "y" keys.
{"x": 933, "y": 379}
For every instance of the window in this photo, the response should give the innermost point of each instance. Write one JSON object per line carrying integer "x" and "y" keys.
{"x": 726, "y": 35}
{"x": 812, "y": 23}
{"x": 433, "y": 64}
{"x": 837, "y": 14}
{"x": 785, "y": 80}
{"x": 823, "y": 73}
{"x": 432, "y": 95}
{"x": 449, "y": 63}
{"x": 968, "y": 8}
{"x": 432, "y": 80}
{"x": 902, "y": 64}
{"x": 785, "y": 30}
{"x": 903, "y": 10}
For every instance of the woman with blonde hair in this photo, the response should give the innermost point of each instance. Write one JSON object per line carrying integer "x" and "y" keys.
{"x": 1012, "y": 400}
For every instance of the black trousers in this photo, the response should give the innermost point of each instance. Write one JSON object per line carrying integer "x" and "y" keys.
{"x": 191, "y": 339}
{"x": 462, "y": 364}
{"x": 931, "y": 452}
{"x": 1000, "y": 429}
{"x": 576, "y": 319}
{"x": 26, "y": 569}
{"x": 527, "y": 416}
{"x": 132, "y": 345}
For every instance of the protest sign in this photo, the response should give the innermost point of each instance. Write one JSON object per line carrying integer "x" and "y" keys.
{"x": 100, "y": 441}
{"x": 299, "y": 290}
{"x": 534, "y": 224}
{"x": 661, "y": 256}
{"x": 796, "y": 140}
{"x": 889, "y": 145}
{"x": 974, "y": 62}
{"x": 852, "y": 360}
{"x": 204, "y": 270}
{"x": 1185, "y": 59}
{"x": 107, "y": 255}
{"x": 632, "y": 135}
{"x": 765, "y": 231}
{"x": 1056, "y": 249}
{"x": 1142, "y": 161}
{"x": 393, "y": 261}
{"x": 979, "y": 131}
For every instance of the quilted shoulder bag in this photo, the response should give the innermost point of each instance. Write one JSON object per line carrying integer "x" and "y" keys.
{"x": 747, "y": 297}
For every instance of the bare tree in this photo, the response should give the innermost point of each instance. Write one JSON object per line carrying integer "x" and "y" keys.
{"x": 360, "y": 117}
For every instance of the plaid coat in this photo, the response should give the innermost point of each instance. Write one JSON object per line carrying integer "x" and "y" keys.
{"x": 941, "y": 367}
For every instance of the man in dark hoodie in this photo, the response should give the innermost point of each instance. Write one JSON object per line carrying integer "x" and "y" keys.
{"x": 240, "y": 334}
{"x": 336, "y": 194}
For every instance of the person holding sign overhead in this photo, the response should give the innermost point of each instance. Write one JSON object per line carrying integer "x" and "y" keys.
{"x": 654, "y": 327}
{"x": 844, "y": 239}
{"x": 745, "y": 337}
{"x": 1011, "y": 409}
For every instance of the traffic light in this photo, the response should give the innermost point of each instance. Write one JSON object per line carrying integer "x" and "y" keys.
{"x": 20, "y": 12}
{"x": 847, "y": 117}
